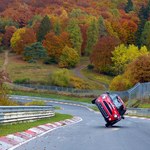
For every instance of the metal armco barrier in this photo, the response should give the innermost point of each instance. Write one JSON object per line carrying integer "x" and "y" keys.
{"x": 11, "y": 114}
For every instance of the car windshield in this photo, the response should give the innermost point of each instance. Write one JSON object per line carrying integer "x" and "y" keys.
{"x": 115, "y": 100}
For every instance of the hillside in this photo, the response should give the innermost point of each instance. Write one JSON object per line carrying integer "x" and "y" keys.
{"x": 112, "y": 35}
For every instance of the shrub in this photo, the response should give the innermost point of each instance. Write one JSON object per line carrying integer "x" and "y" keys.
{"x": 4, "y": 100}
{"x": 23, "y": 80}
{"x": 69, "y": 57}
{"x": 78, "y": 83}
{"x": 120, "y": 83}
{"x": 60, "y": 77}
{"x": 36, "y": 103}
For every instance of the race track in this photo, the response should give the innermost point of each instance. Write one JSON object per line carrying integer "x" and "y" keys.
{"x": 91, "y": 133}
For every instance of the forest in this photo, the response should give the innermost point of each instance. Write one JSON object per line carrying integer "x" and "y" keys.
{"x": 113, "y": 34}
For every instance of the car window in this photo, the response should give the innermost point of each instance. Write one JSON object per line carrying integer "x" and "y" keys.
{"x": 116, "y": 100}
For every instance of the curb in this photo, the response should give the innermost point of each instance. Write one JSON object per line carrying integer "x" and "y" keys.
{"x": 12, "y": 141}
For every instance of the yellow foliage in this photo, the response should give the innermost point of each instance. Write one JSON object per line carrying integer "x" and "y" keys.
{"x": 120, "y": 83}
{"x": 16, "y": 36}
{"x": 79, "y": 83}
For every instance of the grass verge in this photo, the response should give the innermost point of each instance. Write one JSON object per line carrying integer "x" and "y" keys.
{"x": 54, "y": 96}
{"x": 133, "y": 115}
{"x": 19, "y": 127}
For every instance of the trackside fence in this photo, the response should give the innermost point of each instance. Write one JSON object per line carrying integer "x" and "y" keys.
{"x": 11, "y": 114}
{"x": 140, "y": 92}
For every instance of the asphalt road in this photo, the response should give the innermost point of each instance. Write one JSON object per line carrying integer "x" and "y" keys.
{"x": 91, "y": 134}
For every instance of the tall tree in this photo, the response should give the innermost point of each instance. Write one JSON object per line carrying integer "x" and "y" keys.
{"x": 44, "y": 28}
{"x": 57, "y": 28}
{"x": 102, "y": 53}
{"x": 129, "y": 6}
{"x": 143, "y": 17}
{"x": 101, "y": 27}
{"x": 145, "y": 37}
{"x": 75, "y": 35}
{"x": 92, "y": 37}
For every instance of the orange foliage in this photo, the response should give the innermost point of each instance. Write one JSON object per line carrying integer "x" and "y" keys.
{"x": 8, "y": 34}
{"x": 55, "y": 44}
{"x": 102, "y": 53}
{"x": 19, "y": 12}
{"x": 26, "y": 38}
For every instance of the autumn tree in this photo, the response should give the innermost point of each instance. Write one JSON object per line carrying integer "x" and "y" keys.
{"x": 34, "y": 20}
{"x": 75, "y": 35}
{"x": 18, "y": 12}
{"x": 120, "y": 83}
{"x": 16, "y": 37}
{"x": 123, "y": 55}
{"x": 5, "y": 22}
{"x": 54, "y": 44}
{"x": 102, "y": 53}
{"x": 8, "y": 35}
{"x": 69, "y": 58}
{"x": 34, "y": 52}
{"x": 92, "y": 37}
{"x": 44, "y": 28}
{"x": 139, "y": 70}
{"x": 21, "y": 38}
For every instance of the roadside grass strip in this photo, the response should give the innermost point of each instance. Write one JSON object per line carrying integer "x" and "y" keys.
{"x": 138, "y": 117}
{"x": 12, "y": 141}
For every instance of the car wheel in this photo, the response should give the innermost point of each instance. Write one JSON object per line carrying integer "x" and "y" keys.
{"x": 107, "y": 125}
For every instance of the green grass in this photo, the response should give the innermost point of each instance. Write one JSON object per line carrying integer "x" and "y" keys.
{"x": 99, "y": 78}
{"x": 138, "y": 115}
{"x": 36, "y": 72}
{"x": 54, "y": 96}
{"x": 19, "y": 127}
{"x": 95, "y": 108}
{"x": 144, "y": 105}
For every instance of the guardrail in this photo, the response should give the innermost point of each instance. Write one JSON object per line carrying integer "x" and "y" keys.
{"x": 11, "y": 114}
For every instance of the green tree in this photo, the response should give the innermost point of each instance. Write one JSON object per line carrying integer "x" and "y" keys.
{"x": 69, "y": 58}
{"x": 75, "y": 35}
{"x": 57, "y": 28}
{"x": 92, "y": 37}
{"x": 145, "y": 37}
{"x": 129, "y": 6}
{"x": 101, "y": 27}
{"x": 44, "y": 28}
{"x": 34, "y": 52}
{"x": 143, "y": 18}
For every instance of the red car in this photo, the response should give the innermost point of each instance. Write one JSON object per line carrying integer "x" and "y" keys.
{"x": 111, "y": 107}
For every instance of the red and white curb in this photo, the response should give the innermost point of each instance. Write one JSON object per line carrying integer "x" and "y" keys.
{"x": 12, "y": 141}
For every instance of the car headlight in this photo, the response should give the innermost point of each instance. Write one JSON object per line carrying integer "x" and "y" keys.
{"x": 115, "y": 116}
